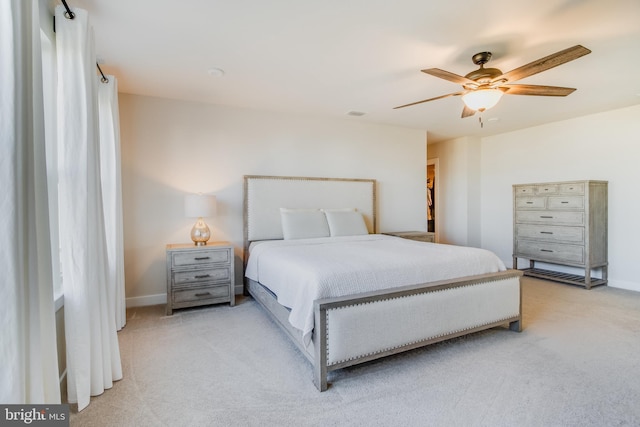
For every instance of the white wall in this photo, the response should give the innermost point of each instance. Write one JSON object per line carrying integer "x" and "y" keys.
{"x": 603, "y": 146}
{"x": 170, "y": 148}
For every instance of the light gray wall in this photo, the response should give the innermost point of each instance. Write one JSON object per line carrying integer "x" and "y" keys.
{"x": 170, "y": 148}
{"x": 603, "y": 146}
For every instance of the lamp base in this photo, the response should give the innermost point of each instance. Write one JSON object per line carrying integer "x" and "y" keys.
{"x": 200, "y": 233}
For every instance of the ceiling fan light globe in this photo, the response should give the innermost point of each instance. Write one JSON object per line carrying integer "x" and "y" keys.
{"x": 482, "y": 99}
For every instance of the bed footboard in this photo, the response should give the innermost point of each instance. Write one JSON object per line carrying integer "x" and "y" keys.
{"x": 352, "y": 330}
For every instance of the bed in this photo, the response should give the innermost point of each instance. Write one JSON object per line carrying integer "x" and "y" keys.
{"x": 346, "y": 297}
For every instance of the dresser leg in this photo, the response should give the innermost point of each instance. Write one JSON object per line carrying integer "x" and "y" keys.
{"x": 587, "y": 277}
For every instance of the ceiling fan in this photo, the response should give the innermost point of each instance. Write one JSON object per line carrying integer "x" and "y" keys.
{"x": 483, "y": 88}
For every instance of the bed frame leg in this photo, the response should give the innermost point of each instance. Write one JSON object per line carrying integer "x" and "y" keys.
{"x": 320, "y": 347}
{"x": 516, "y": 325}
{"x": 320, "y": 378}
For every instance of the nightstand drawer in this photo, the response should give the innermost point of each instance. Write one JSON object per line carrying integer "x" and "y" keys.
{"x": 202, "y": 294}
{"x": 192, "y": 258}
{"x": 420, "y": 236}
{"x": 202, "y": 275}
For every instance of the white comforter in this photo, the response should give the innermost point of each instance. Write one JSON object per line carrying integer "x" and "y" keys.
{"x": 301, "y": 271}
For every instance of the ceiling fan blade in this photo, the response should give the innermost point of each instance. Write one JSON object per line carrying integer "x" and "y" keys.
{"x": 537, "y": 90}
{"x": 467, "y": 112}
{"x": 545, "y": 63}
{"x": 430, "y": 99}
{"x": 437, "y": 72}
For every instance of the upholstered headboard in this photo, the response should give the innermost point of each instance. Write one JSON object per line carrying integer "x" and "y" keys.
{"x": 265, "y": 195}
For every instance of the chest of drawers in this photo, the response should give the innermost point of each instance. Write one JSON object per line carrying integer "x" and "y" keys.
{"x": 562, "y": 223}
{"x": 199, "y": 275}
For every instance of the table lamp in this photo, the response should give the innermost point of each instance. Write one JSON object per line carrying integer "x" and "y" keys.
{"x": 200, "y": 206}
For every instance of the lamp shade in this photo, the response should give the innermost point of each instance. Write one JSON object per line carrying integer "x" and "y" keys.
{"x": 199, "y": 206}
{"x": 482, "y": 99}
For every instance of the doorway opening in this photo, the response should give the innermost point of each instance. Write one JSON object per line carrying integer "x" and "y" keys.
{"x": 432, "y": 197}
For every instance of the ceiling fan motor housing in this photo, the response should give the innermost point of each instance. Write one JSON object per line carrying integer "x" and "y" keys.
{"x": 482, "y": 75}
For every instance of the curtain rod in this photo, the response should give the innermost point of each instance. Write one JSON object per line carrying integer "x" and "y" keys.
{"x": 70, "y": 15}
{"x": 104, "y": 78}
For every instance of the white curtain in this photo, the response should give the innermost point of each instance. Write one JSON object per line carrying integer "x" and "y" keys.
{"x": 28, "y": 358}
{"x": 93, "y": 355}
{"x": 112, "y": 193}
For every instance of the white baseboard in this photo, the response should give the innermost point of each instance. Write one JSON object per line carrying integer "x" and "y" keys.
{"x": 147, "y": 300}
{"x": 631, "y": 286}
{"x": 157, "y": 299}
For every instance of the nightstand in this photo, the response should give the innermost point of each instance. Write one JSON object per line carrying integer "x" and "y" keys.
{"x": 199, "y": 275}
{"x": 422, "y": 236}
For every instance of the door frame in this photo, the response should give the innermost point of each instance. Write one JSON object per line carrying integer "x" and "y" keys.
{"x": 435, "y": 162}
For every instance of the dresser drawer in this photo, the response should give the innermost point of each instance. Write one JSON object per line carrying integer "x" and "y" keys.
{"x": 550, "y": 233}
{"x": 550, "y": 217}
{"x": 202, "y": 294}
{"x": 565, "y": 202}
{"x": 202, "y": 275}
{"x": 547, "y": 189}
{"x": 531, "y": 202}
{"x": 572, "y": 188}
{"x": 526, "y": 190}
{"x": 554, "y": 252}
{"x": 193, "y": 258}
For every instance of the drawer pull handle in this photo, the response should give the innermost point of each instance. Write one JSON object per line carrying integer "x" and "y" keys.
{"x": 204, "y": 294}
{"x": 564, "y": 202}
{"x": 529, "y": 203}
{"x": 202, "y": 258}
{"x": 546, "y": 232}
{"x": 545, "y": 250}
{"x": 546, "y": 216}
{"x": 203, "y": 276}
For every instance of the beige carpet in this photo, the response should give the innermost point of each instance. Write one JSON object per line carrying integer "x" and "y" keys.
{"x": 577, "y": 363}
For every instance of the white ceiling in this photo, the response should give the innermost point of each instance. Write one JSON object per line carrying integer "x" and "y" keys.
{"x": 329, "y": 57}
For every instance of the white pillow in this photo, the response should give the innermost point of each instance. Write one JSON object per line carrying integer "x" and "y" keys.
{"x": 346, "y": 223}
{"x": 303, "y": 223}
